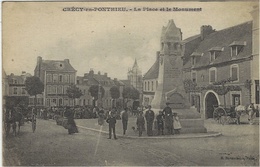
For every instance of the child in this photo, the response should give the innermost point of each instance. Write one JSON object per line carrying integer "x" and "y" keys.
{"x": 176, "y": 123}
{"x": 160, "y": 123}
{"x": 140, "y": 123}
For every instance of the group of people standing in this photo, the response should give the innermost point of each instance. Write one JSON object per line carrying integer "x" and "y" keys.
{"x": 165, "y": 119}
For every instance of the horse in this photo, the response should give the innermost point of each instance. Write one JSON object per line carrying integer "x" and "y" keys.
{"x": 249, "y": 110}
{"x": 14, "y": 116}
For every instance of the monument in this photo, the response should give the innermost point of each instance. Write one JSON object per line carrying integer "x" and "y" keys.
{"x": 170, "y": 82}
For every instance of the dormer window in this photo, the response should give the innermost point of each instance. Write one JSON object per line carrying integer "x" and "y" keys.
{"x": 194, "y": 57}
{"x": 214, "y": 53}
{"x": 237, "y": 47}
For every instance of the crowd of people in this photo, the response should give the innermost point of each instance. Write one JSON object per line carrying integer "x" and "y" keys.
{"x": 65, "y": 115}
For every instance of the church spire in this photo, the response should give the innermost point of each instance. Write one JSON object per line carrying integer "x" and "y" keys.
{"x": 135, "y": 64}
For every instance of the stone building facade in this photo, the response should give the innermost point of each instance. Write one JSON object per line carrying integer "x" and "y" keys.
{"x": 14, "y": 89}
{"x": 230, "y": 55}
{"x": 57, "y": 76}
{"x": 89, "y": 79}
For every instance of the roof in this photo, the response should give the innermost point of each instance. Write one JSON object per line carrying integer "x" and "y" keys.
{"x": 153, "y": 72}
{"x": 57, "y": 65}
{"x": 221, "y": 40}
{"x": 127, "y": 83}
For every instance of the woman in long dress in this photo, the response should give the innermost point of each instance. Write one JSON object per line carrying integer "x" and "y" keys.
{"x": 72, "y": 128}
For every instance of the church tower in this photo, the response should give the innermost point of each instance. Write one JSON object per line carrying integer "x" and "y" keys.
{"x": 170, "y": 67}
{"x": 134, "y": 75}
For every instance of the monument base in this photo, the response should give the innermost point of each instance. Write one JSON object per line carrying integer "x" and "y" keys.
{"x": 190, "y": 120}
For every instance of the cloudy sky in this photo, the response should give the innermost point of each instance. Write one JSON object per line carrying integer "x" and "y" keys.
{"x": 104, "y": 41}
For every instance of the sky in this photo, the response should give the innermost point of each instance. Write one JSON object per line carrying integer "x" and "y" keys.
{"x": 104, "y": 41}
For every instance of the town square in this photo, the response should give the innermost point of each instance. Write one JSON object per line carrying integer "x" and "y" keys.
{"x": 135, "y": 84}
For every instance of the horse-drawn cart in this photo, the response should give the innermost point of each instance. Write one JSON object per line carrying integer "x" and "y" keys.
{"x": 18, "y": 115}
{"x": 232, "y": 114}
{"x": 225, "y": 115}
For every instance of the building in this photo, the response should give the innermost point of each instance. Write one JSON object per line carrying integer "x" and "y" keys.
{"x": 57, "y": 76}
{"x": 89, "y": 79}
{"x": 15, "y": 93}
{"x": 150, "y": 82}
{"x": 216, "y": 60}
{"x": 210, "y": 58}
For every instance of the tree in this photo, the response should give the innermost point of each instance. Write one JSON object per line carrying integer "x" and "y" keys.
{"x": 34, "y": 86}
{"x": 115, "y": 93}
{"x": 73, "y": 92}
{"x": 130, "y": 93}
{"x": 95, "y": 90}
{"x": 189, "y": 86}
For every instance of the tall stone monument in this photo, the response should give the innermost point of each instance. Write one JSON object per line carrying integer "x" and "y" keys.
{"x": 170, "y": 82}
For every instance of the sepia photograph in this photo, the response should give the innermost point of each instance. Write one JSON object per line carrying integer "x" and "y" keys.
{"x": 130, "y": 83}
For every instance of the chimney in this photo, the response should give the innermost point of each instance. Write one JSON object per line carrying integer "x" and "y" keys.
{"x": 23, "y": 72}
{"x": 98, "y": 72}
{"x": 91, "y": 72}
{"x": 115, "y": 79}
{"x": 67, "y": 60}
{"x": 205, "y": 30}
{"x": 105, "y": 74}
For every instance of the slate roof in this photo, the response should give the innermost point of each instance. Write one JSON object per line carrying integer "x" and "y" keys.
{"x": 127, "y": 83}
{"x": 153, "y": 72}
{"x": 239, "y": 34}
{"x": 57, "y": 65}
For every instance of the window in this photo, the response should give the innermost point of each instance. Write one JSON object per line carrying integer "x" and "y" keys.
{"x": 14, "y": 81}
{"x": 48, "y": 89}
{"x": 156, "y": 84}
{"x": 144, "y": 85}
{"x": 148, "y": 85}
{"x": 212, "y": 56}
{"x": 15, "y": 91}
{"x": 49, "y": 77}
{"x": 234, "y": 72}
{"x": 152, "y": 85}
{"x": 194, "y": 76}
{"x": 71, "y": 78}
{"x": 65, "y": 78}
{"x": 212, "y": 75}
{"x": 55, "y": 77}
{"x": 54, "y": 89}
{"x": 193, "y": 60}
{"x": 60, "y": 78}
{"x": 48, "y": 102}
{"x": 23, "y": 91}
{"x": 59, "y": 89}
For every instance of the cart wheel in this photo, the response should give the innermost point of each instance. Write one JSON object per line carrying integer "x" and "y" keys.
{"x": 219, "y": 115}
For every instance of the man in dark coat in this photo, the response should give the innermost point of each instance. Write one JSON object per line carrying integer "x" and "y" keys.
{"x": 111, "y": 120}
{"x": 125, "y": 120}
{"x": 167, "y": 112}
{"x": 149, "y": 116}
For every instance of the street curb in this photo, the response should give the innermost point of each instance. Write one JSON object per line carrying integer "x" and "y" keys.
{"x": 216, "y": 134}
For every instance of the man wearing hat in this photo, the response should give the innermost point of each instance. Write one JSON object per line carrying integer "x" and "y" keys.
{"x": 149, "y": 116}
{"x": 167, "y": 112}
{"x": 111, "y": 120}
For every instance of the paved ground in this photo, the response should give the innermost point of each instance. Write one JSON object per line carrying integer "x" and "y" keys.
{"x": 51, "y": 145}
